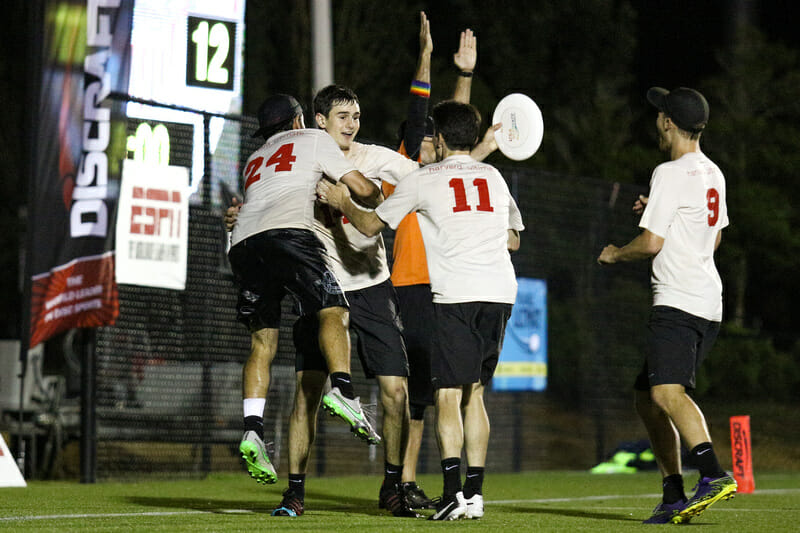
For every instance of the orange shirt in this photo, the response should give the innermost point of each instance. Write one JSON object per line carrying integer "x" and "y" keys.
{"x": 410, "y": 266}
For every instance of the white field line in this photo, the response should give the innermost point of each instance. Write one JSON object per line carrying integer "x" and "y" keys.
{"x": 616, "y": 497}
{"x": 245, "y": 511}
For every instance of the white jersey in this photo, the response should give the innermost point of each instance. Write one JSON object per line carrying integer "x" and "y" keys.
{"x": 465, "y": 210}
{"x": 357, "y": 260}
{"x": 687, "y": 209}
{"x": 281, "y": 178}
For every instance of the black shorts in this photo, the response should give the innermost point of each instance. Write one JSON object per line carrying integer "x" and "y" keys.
{"x": 467, "y": 342}
{"x": 677, "y": 343}
{"x": 375, "y": 320}
{"x": 416, "y": 312}
{"x": 269, "y": 264}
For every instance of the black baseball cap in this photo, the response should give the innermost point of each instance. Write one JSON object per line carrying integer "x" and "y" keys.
{"x": 275, "y": 110}
{"x": 687, "y": 108}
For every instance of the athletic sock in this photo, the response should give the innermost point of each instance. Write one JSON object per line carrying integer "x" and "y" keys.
{"x": 254, "y": 423}
{"x": 673, "y": 489}
{"x": 343, "y": 381}
{"x": 704, "y": 458}
{"x": 474, "y": 483}
{"x": 451, "y": 470}
{"x": 391, "y": 474}
{"x": 297, "y": 482}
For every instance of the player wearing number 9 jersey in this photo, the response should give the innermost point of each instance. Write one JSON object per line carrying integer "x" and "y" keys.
{"x": 687, "y": 208}
{"x": 681, "y": 226}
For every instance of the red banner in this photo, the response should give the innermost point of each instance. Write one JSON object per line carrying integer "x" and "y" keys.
{"x": 80, "y": 294}
{"x": 86, "y": 55}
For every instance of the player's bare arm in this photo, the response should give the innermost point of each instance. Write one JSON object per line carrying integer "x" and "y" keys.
{"x": 487, "y": 145}
{"x": 644, "y": 246}
{"x": 338, "y": 197}
{"x": 718, "y": 241}
{"x": 365, "y": 191}
{"x": 513, "y": 240}
{"x": 465, "y": 59}
{"x": 425, "y": 49}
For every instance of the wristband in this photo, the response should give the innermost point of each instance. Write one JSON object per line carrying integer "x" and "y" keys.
{"x": 465, "y": 74}
{"x": 421, "y": 88}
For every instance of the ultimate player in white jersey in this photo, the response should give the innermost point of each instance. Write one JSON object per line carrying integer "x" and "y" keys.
{"x": 465, "y": 211}
{"x": 682, "y": 224}
{"x": 275, "y": 251}
{"x": 360, "y": 264}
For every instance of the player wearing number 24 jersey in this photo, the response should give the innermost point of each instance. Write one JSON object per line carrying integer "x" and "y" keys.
{"x": 280, "y": 178}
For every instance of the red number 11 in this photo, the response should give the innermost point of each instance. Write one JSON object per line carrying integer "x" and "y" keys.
{"x": 484, "y": 204}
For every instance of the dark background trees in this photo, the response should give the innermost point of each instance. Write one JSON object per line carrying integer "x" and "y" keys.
{"x": 587, "y": 64}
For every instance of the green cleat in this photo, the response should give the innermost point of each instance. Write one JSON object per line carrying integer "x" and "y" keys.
{"x": 351, "y": 412}
{"x": 666, "y": 513}
{"x": 708, "y": 491}
{"x": 256, "y": 459}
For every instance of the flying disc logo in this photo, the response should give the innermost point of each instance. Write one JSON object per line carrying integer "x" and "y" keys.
{"x": 513, "y": 131}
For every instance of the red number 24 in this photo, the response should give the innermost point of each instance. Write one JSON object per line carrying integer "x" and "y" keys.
{"x": 460, "y": 193}
{"x": 282, "y": 158}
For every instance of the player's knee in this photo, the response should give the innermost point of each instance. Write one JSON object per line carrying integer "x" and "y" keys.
{"x": 394, "y": 396}
{"x": 334, "y": 317}
{"x": 665, "y": 398}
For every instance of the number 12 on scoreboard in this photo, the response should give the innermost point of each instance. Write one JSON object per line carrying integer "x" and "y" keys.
{"x": 210, "y": 53}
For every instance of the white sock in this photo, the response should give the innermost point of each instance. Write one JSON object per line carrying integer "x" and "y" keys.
{"x": 254, "y": 407}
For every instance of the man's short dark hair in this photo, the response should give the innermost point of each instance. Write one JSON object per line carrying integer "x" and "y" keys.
{"x": 277, "y": 113}
{"x": 333, "y": 95}
{"x": 458, "y": 123}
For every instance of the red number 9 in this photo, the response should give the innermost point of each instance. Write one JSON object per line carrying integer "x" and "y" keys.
{"x": 712, "y": 202}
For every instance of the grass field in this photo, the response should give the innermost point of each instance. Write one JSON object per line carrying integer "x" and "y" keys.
{"x": 536, "y": 501}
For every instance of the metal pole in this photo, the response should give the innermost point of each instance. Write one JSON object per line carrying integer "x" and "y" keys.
{"x": 321, "y": 44}
{"x": 88, "y": 444}
{"x": 35, "y": 23}
{"x": 206, "y": 160}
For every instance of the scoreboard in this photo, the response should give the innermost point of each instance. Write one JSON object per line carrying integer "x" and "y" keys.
{"x": 186, "y": 53}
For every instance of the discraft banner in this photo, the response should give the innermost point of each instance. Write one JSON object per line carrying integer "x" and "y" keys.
{"x": 85, "y": 56}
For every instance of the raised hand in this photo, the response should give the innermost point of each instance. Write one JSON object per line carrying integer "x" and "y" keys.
{"x": 467, "y": 54}
{"x": 425, "y": 39}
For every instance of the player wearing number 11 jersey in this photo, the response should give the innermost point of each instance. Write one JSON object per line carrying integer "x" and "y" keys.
{"x": 682, "y": 224}
{"x": 465, "y": 211}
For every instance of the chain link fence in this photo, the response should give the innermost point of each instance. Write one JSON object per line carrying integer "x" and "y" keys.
{"x": 168, "y": 373}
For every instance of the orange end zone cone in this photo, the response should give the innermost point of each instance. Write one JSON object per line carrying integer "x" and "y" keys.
{"x": 742, "y": 454}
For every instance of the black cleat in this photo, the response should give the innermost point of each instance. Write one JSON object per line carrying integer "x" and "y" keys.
{"x": 392, "y": 498}
{"x": 416, "y": 497}
{"x": 291, "y": 505}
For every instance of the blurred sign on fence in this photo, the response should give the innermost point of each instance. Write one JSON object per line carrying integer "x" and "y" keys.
{"x": 523, "y": 361}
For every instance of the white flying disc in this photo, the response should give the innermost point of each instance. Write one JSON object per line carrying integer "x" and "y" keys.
{"x": 523, "y": 127}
